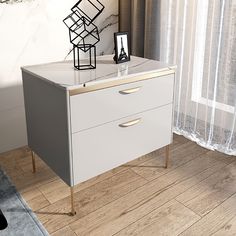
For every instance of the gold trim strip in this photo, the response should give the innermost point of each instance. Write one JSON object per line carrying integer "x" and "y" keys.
{"x": 114, "y": 83}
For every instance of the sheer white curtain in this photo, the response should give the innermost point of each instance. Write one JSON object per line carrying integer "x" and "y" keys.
{"x": 199, "y": 36}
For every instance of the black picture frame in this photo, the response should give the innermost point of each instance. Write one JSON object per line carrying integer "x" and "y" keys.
{"x": 122, "y": 51}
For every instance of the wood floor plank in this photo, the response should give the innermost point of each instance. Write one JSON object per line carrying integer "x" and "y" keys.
{"x": 30, "y": 193}
{"x": 28, "y": 179}
{"x": 90, "y": 199}
{"x": 15, "y": 154}
{"x": 25, "y": 180}
{"x": 206, "y": 195}
{"x": 66, "y": 231}
{"x": 38, "y": 202}
{"x": 11, "y": 170}
{"x": 222, "y": 157}
{"x": 229, "y": 229}
{"x": 154, "y": 167}
{"x": 170, "y": 219}
{"x": 180, "y": 139}
{"x": 57, "y": 189}
{"x": 119, "y": 214}
{"x": 215, "y": 221}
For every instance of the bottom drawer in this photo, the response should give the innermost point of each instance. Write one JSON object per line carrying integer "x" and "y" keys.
{"x": 102, "y": 148}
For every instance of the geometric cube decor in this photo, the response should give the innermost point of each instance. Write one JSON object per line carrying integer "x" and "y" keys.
{"x": 94, "y": 9}
{"x": 89, "y": 52}
{"x": 83, "y": 33}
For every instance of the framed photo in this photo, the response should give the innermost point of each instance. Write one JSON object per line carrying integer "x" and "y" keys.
{"x": 121, "y": 47}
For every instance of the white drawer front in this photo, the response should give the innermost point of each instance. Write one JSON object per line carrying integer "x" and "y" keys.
{"x": 102, "y": 106}
{"x": 102, "y": 148}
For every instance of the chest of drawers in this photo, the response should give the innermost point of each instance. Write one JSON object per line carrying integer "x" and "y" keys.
{"x": 83, "y": 123}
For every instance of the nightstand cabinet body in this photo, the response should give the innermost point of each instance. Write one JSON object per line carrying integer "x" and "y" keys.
{"x": 83, "y": 124}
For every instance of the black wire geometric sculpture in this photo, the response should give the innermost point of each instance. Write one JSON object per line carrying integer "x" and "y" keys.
{"x": 83, "y": 33}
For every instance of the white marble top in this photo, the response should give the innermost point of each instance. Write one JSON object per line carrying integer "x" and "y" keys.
{"x": 64, "y": 75}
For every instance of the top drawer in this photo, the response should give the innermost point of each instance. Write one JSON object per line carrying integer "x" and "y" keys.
{"x": 98, "y": 107}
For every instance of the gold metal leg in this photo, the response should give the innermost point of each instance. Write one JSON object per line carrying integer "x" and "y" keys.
{"x": 73, "y": 212}
{"x": 167, "y": 156}
{"x": 33, "y": 161}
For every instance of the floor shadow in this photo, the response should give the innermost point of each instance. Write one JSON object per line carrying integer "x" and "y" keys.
{"x": 36, "y": 212}
{"x": 52, "y": 213}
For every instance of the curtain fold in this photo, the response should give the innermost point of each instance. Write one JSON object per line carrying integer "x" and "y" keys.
{"x": 200, "y": 38}
{"x": 138, "y": 26}
{"x": 144, "y": 30}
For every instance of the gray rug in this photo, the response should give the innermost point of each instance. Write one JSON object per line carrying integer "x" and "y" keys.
{"x": 21, "y": 220}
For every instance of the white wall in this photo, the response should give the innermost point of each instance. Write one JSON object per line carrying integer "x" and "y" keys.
{"x": 32, "y": 32}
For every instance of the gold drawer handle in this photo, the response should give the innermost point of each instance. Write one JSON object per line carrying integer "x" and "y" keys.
{"x": 129, "y": 91}
{"x": 130, "y": 123}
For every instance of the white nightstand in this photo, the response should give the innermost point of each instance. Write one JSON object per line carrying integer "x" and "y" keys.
{"x": 83, "y": 123}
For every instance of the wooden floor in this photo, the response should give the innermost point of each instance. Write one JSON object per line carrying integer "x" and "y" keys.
{"x": 196, "y": 195}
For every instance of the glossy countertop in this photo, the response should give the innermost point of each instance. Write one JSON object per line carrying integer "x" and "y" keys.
{"x": 63, "y": 74}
